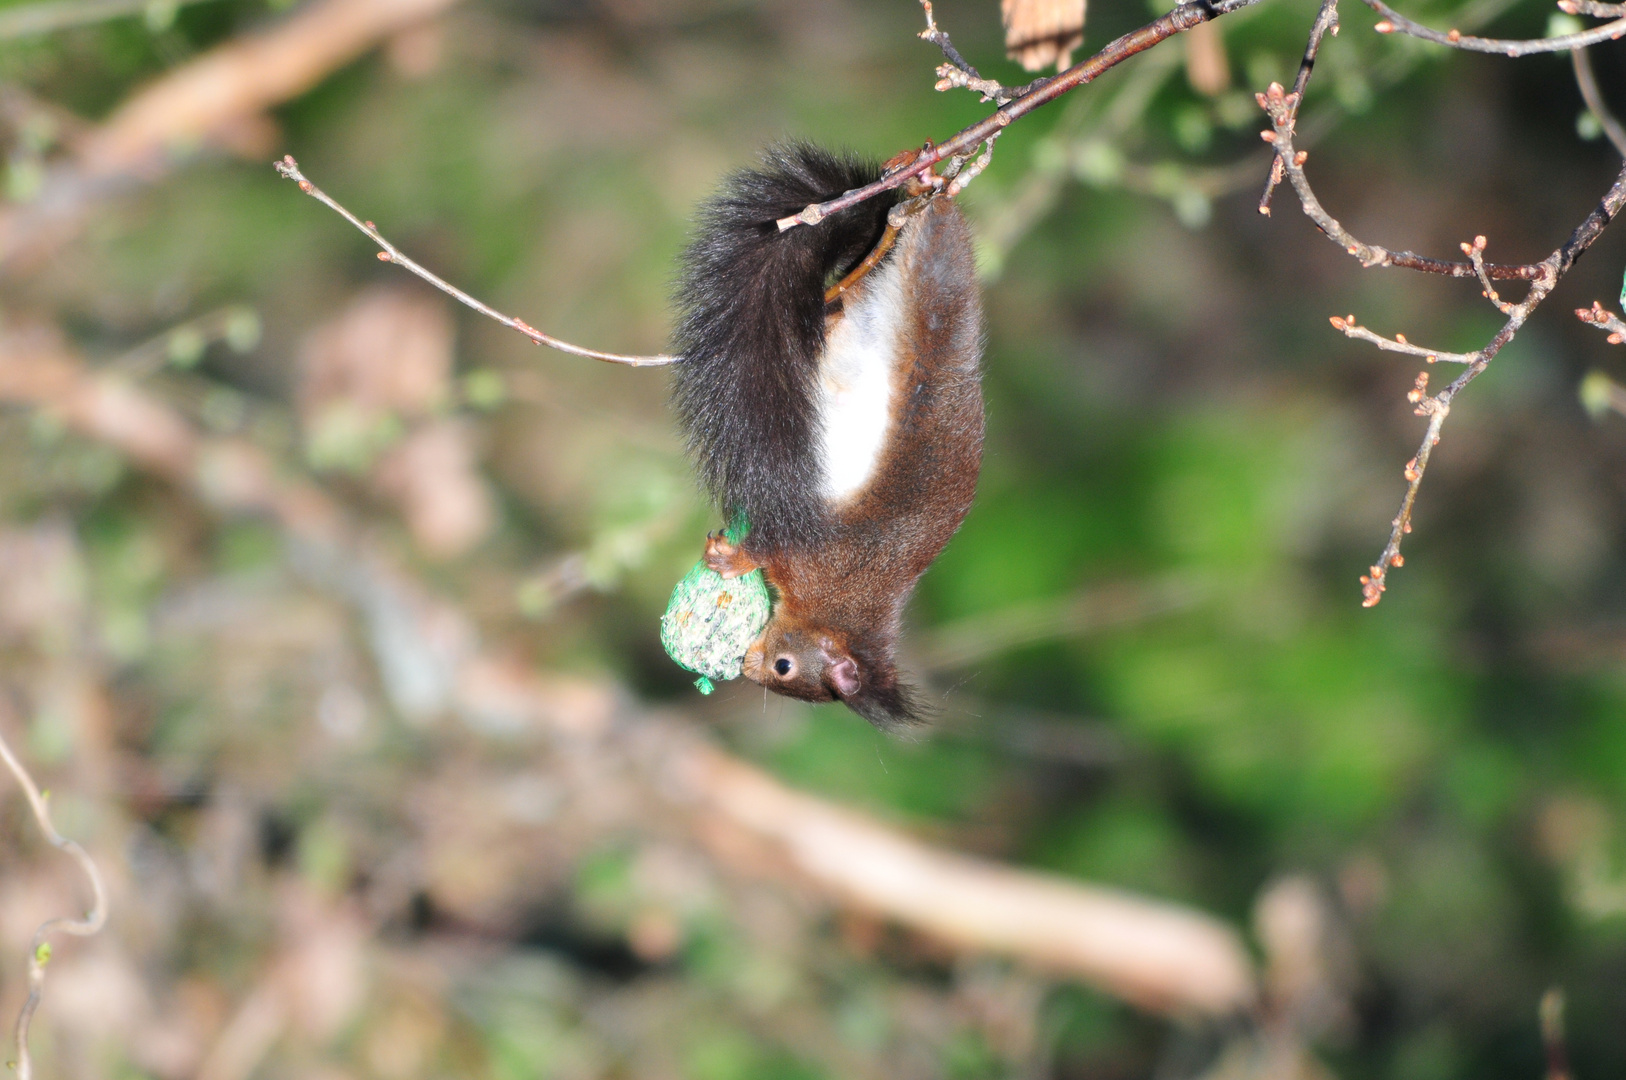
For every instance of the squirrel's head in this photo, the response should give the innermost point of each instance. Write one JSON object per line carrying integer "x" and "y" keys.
{"x": 817, "y": 665}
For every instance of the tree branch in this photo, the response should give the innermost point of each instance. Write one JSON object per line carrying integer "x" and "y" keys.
{"x": 1588, "y": 85}
{"x": 1038, "y": 93}
{"x": 1393, "y": 22}
{"x": 388, "y": 252}
{"x": 39, "y": 951}
{"x": 1326, "y": 22}
{"x": 1544, "y": 276}
{"x": 1162, "y": 957}
{"x": 190, "y": 107}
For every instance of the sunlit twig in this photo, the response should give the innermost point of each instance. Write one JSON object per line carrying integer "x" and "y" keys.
{"x": 39, "y": 951}
{"x": 1544, "y": 276}
{"x": 1394, "y": 22}
{"x": 1035, "y": 94}
{"x": 388, "y": 252}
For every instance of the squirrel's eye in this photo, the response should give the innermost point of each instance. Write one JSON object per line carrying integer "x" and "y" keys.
{"x": 783, "y": 665}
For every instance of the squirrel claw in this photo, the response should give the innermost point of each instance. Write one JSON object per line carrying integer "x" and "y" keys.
{"x": 725, "y": 558}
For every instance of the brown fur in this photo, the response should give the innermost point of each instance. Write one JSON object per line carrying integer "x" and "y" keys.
{"x": 841, "y": 594}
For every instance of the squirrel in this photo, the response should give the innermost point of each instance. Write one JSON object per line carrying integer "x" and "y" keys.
{"x": 844, "y": 424}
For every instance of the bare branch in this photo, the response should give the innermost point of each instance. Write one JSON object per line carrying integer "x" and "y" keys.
{"x": 1282, "y": 108}
{"x": 958, "y": 72}
{"x": 1555, "y": 266}
{"x": 1590, "y": 94}
{"x": 1599, "y": 315}
{"x": 1375, "y": 580}
{"x": 1593, "y": 8}
{"x": 194, "y": 106}
{"x": 388, "y": 252}
{"x": 1543, "y": 277}
{"x": 39, "y": 951}
{"x": 1039, "y": 93}
{"x": 973, "y": 639}
{"x": 971, "y": 170}
{"x": 1326, "y": 22}
{"x": 1351, "y": 329}
{"x": 1161, "y": 956}
{"x": 1552, "y": 1035}
{"x": 1393, "y": 22}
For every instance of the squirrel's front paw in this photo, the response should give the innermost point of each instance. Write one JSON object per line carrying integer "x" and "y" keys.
{"x": 725, "y": 558}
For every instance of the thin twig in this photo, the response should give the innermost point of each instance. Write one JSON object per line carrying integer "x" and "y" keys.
{"x": 1598, "y": 315}
{"x": 978, "y": 637}
{"x": 1347, "y": 325}
{"x": 1593, "y": 8}
{"x": 970, "y": 171}
{"x": 1326, "y": 22}
{"x": 1393, "y": 22}
{"x": 39, "y": 951}
{"x": 958, "y": 72}
{"x": 1038, "y": 93}
{"x": 30, "y": 20}
{"x": 388, "y": 252}
{"x": 184, "y": 343}
{"x": 1437, "y": 407}
{"x": 1590, "y": 94}
{"x": 1281, "y": 106}
{"x": 188, "y": 110}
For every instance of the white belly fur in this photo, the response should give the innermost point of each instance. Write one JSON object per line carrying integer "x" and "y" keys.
{"x": 856, "y": 376}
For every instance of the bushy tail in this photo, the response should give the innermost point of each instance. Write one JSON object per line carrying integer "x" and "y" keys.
{"x": 751, "y": 328}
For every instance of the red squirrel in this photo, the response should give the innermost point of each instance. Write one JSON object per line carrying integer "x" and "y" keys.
{"x": 846, "y": 430}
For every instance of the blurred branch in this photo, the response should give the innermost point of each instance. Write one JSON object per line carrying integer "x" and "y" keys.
{"x": 196, "y": 104}
{"x": 1073, "y": 741}
{"x": 183, "y": 345}
{"x": 28, "y": 20}
{"x": 1159, "y": 956}
{"x": 289, "y": 168}
{"x": 981, "y": 636}
{"x": 1588, "y": 86}
{"x": 1393, "y": 22}
{"x": 1552, "y": 1035}
{"x": 1043, "y": 92}
{"x": 39, "y": 950}
{"x": 1544, "y": 276}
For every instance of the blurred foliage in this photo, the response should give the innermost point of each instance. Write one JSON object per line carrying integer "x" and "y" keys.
{"x": 1166, "y": 404}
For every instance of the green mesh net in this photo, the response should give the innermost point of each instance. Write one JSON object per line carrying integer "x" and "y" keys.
{"x": 710, "y": 622}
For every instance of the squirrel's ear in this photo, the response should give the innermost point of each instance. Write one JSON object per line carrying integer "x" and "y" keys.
{"x": 842, "y": 671}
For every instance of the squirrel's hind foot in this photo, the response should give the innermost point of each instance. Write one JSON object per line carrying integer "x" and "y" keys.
{"x": 727, "y": 559}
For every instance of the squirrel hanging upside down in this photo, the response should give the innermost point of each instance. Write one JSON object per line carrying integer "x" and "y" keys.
{"x": 843, "y": 422}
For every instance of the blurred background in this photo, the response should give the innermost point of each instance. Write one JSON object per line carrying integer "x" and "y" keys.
{"x": 329, "y": 609}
